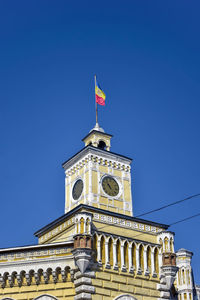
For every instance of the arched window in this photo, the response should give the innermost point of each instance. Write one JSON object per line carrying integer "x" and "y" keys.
{"x": 166, "y": 244}
{"x": 45, "y": 297}
{"x": 82, "y": 242}
{"x": 125, "y": 297}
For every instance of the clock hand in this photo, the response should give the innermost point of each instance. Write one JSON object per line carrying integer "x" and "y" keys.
{"x": 109, "y": 185}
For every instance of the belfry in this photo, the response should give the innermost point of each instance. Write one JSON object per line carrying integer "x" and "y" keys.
{"x": 98, "y": 249}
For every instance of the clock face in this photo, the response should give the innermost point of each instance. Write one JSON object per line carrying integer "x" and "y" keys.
{"x": 77, "y": 189}
{"x": 110, "y": 186}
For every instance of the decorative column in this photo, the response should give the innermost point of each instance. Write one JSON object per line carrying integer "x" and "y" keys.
{"x": 84, "y": 225}
{"x": 107, "y": 262}
{"x": 130, "y": 259}
{"x": 76, "y": 226}
{"x": 99, "y": 250}
{"x": 11, "y": 280}
{"x": 153, "y": 271}
{"x": 123, "y": 266}
{"x": 90, "y": 179}
{"x": 88, "y": 230}
{"x": 115, "y": 265}
{"x": 146, "y": 271}
{"x": 168, "y": 274}
{"x": 138, "y": 267}
{"x": 185, "y": 283}
{"x": 79, "y": 225}
{"x": 160, "y": 259}
{"x": 85, "y": 217}
{"x": 19, "y": 279}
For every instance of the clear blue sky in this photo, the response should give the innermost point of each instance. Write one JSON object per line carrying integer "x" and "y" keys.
{"x": 146, "y": 57}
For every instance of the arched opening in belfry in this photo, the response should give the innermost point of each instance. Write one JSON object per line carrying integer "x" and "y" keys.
{"x": 102, "y": 145}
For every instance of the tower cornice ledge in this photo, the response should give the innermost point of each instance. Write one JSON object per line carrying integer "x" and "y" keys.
{"x": 95, "y": 151}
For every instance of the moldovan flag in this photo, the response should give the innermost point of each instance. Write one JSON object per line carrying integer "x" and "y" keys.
{"x": 100, "y": 95}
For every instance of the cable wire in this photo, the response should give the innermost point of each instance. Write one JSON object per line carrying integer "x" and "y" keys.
{"x": 188, "y": 218}
{"x": 142, "y": 233}
{"x": 168, "y": 205}
{"x": 160, "y": 208}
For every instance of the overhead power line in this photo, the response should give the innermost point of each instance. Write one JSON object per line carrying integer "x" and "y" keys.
{"x": 160, "y": 208}
{"x": 168, "y": 205}
{"x": 174, "y": 223}
{"x": 188, "y": 218}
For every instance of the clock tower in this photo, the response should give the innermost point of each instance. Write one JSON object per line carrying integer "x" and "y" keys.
{"x": 97, "y": 177}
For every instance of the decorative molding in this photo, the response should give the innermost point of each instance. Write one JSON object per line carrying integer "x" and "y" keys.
{"x": 31, "y": 268}
{"x": 125, "y": 223}
{"x": 82, "y": 258}
{"x": 57, "y": 230}
{"x": 106, "y": 159}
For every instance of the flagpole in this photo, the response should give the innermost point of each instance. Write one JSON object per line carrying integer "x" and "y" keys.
{"x": 95, "y": 81}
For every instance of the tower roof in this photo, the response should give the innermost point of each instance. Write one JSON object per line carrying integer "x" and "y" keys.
{"x": 98, "y": 138}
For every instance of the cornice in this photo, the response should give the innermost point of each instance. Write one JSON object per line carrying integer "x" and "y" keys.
{"x": 91, "y": 150}
{"x": 92, "y": 209}
{"x": 35, "y": 247}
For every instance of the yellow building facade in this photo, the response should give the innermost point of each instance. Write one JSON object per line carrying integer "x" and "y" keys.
{"x": 98, "y": 249}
